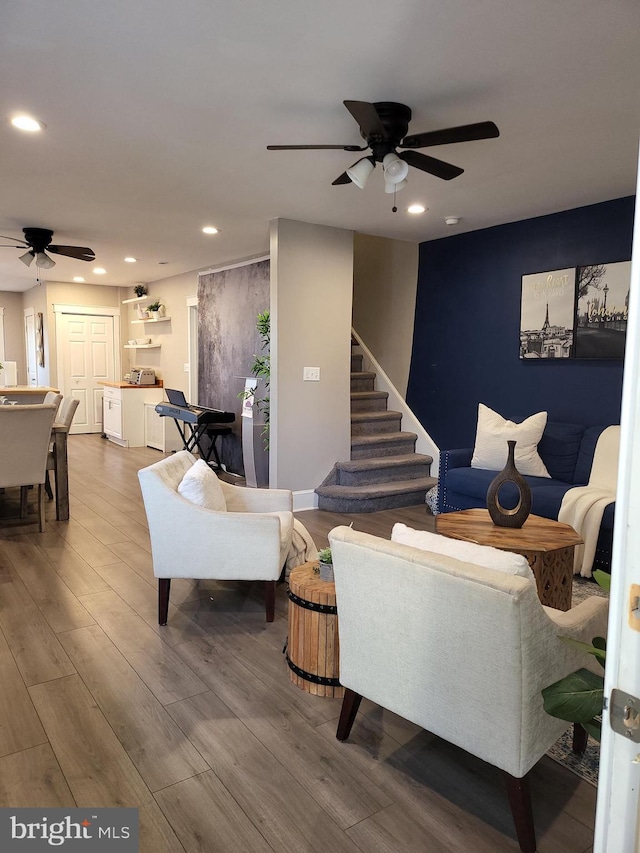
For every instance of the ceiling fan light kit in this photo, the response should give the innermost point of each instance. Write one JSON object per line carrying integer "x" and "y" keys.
{"x": 390, "y": 187}
{"x": 395, "y": 169}
{"x": 360, "y": 171}
{"x": 383, "y": 126}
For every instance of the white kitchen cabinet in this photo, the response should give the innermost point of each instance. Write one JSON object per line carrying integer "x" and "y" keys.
{"x": 160, "y": 433}
{"x": 124, "y": 412}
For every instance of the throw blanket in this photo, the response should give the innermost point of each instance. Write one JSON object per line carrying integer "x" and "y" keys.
{"x": 583, "y": 506}
{"x": 302, "y": 549}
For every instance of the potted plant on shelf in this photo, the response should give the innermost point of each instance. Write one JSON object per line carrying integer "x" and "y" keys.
{"x": 140, "y": 290}
{"x": 156, "y": 310}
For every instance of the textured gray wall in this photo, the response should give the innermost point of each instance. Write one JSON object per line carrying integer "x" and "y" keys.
{"x": 228, "y": 304}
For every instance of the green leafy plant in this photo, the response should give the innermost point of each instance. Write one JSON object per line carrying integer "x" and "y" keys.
{"x": 261, "y": 369}
{"x": 140, "y": 289}
{"x": 324, "y": 555}
{"x": 579, "y": 697}
{"x": 155, "y": 306}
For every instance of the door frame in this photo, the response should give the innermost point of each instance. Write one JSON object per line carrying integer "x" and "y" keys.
{"x": 30, "y": 312}
{"x": 192, "y": 347}
{"x": 1, "y": 334}
{"x": 88, "y": 310}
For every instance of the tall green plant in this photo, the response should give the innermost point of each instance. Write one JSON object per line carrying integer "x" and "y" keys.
{"x": 261, "y": 369}
{"x": 579, "y": 697}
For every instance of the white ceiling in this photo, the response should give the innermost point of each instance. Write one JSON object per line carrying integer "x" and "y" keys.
{"x": 159, "y": 112}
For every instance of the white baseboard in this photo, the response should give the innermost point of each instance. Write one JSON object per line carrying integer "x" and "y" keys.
{"x": 305, "y": 499}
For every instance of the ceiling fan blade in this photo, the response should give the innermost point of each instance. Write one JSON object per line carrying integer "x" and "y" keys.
{"x": 315, "y": 148}
{"x": 464, "y": 133}
{"x": 14, "y": 239}
{"x": 81, "y": 253}
{"x": 367, "y": 117}
{"x": 429, "y": 164}
{"x": 342, "y": 179}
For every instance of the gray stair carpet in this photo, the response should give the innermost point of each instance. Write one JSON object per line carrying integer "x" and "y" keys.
{"x": 384, "y": 471}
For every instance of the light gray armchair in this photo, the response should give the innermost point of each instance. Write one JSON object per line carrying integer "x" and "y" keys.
{"x": 25, "y": 433}
{"x": 459, "y": 650}
{"x": 248, "y": 541}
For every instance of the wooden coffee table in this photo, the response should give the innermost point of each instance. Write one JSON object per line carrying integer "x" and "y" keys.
{"x": 548, "y": 546}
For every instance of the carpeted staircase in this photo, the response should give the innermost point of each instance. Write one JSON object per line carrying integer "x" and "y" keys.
{"x": 384, "y": 471}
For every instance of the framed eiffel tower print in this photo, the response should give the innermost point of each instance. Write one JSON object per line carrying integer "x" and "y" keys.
{"x": 547, "y": 314}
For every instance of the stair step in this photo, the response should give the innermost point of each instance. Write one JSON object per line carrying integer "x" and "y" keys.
{"x": 362, "y": 380}
{"x": 383, "y": 444}
{"x": 369, "y": 401}
{"x": 383, "y": 469}
{"x": 369, "y": 423}
{"x": 374, "y": 497}
{"x": 356, "y": 362}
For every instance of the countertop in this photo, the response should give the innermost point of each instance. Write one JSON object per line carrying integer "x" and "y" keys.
{"x": 159, "y": 384}
{"x": 26, "y": 389}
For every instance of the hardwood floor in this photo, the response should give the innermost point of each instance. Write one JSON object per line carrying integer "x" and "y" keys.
{"x": 197, "y": 723}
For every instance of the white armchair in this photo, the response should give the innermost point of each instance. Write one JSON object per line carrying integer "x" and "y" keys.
{"x": 248, "y": 541}
{"x": 460, "y": 650}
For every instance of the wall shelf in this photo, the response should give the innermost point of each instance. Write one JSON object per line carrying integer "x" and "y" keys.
{"x": 159, "y": 320}
{"x": 136, "y": 299}
{"x": 142, "y": 346}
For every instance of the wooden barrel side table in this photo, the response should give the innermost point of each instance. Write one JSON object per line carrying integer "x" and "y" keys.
{"x": 313, "y": 651}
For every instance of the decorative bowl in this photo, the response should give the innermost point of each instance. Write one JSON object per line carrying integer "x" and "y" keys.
{"x": 132, "y": 343}
{"x": 143, "y": 341}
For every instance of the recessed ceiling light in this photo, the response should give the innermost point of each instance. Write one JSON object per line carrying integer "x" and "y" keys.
{"x": 28, "y": 123}
{"x": 209, "y": 229}
{"x": 99, "y": 270}
{"x": 78, "y": 278}
{"x": 130, "y": 260}
{"x": 416, "y": 208}
{"x": 452, "y": 220}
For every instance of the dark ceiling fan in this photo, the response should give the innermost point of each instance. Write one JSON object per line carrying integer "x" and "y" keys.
{"x": 384, "y": 126}
{"x": 37, "y": 241}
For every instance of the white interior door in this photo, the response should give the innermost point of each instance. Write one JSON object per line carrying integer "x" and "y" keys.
{"x": 30, "y": 343}
{"x": 618, "y": 812}
{"x": 86, "y": 343}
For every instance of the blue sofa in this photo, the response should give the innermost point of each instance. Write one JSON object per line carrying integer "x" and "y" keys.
{"x": 567, "y": 451}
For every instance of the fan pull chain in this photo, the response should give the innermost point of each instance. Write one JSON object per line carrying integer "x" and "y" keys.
{"x": 394, "y": 209}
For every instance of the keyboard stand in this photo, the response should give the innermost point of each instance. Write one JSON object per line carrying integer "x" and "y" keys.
{"x": 191, "y": 434}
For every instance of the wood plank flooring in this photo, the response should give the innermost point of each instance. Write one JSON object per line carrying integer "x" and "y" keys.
{"x": 197, "y": 723}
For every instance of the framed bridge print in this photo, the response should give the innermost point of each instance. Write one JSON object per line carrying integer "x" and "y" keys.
{"x": 602, "y": 307}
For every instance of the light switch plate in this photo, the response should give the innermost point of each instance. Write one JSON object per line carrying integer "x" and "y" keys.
{"x": 186, "y": 367}
{"x": 311, "y": 374}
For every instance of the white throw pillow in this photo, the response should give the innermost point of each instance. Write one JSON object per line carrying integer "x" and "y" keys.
{"x": 201, "y": 486}
{"x": 494, "y": 431}
{"x": 469, "y": 552}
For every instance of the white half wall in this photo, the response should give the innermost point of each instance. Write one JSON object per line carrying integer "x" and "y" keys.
{"x": 311, "y": 302}
{"x": 385, "y": 280}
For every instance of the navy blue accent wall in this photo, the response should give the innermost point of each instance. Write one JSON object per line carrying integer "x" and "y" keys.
{"x": 467, "y": 324}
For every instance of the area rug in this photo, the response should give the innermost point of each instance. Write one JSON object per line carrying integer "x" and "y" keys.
{"x": 586, "y": 765}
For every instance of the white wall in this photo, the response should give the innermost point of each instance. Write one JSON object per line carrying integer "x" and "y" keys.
{"x": 311, "y": 299}
{"x": 385, "y": 278}
{"x": 14, "y": 350}
{"x": 169, "y": 360}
